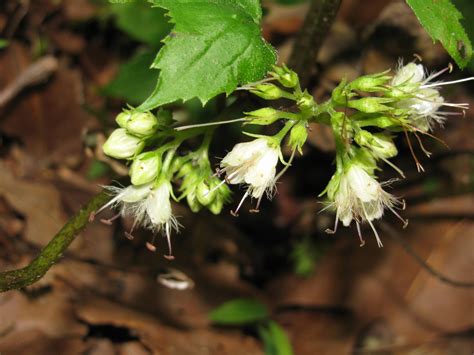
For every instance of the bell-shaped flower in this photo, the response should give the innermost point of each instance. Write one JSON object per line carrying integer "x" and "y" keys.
{"x": 254, "y": 164}
{"x": 356, "y": 195}
{"x": 419, "y": 96}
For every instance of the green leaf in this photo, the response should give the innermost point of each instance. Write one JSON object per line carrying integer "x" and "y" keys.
{"x": 467, "y": 9}
{"x": 238, "y": 312}
{"x": 135, "y": 80}
{"x": 97, "y": 169}
{"x": 141, "y": 22}
{"x": 441, "y": 20}
{"x": 3, "y": 43}
{"x": 215, "y": 46}
{"x": 275, "y": 340}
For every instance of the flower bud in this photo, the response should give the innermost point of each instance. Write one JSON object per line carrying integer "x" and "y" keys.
{"x": 370, "y": 83}
{"x": 123, "y": 118}
{"x": 267, "y": 91}
{"x": 380, "y": 144}
{"x": 122, "y": 145}
{"x": 142, "y": 124}
{"x": 286, "y": 77}
{"x": 371, "y": 104}
{"x": 193, "y": 202}
{"x": 145, "y": 168}
{"x": 204, "y": 194}
{"x": 298, "y": 136}
{"x": 216, "y": 206}
{"x": 306, "y": 101}
{"x": 263, "y": 116}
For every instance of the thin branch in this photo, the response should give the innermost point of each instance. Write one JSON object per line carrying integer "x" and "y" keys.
{"x": 319, "y": 19}
{"x": 15, "y": 279}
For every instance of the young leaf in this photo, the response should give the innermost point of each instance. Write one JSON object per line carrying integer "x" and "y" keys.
{"x": 238, "y": 312}
{"x": 275, "y": 340}
{"x": 441, "y": 20}
{"x": 214, "y": 46}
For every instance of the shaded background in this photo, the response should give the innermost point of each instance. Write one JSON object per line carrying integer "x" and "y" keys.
{"x": 83, "y": 61}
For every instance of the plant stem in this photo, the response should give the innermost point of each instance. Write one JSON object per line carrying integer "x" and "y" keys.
{"x": 318, "y": 21}
{"x": 15, "y": 279}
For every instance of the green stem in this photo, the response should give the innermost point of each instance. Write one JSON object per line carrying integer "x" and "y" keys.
{"x": 15, "y": 279}
{"x": 286, "y": 128}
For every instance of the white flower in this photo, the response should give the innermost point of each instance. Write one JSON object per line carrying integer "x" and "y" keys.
{"x": 420, "y": 96}
{"x": 252, "y": 163}
{"x": 159, "y": 213}
{"x": 149, "y": 206}
{"x": 358, "y": 196}
{"x": 122, "y": 145}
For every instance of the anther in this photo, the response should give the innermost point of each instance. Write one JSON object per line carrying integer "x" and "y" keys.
{"x": 150, "y": 247}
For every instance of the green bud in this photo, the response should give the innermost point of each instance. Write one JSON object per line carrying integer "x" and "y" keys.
{"x": 306, "y": 101}
{"x": 193, "y": 202}
{"x": 371, "y": 104}
{"x": 286, "y": 77}
{"x": 298, "y": 136}
{"x": 268, "y": 91}
{"x": 371, "y": 83}
{"x": 186, "y": 169}
{"x": 123, "y": 118}
{"x": 204, "y": 194}
{"x": 380, "y": 144}
{"x": 142, "y": 124}
{"x": 263, "y": 116}
{"x": 122, "y": 145}
{"x": 145, "y": 168}
{"x": 342, "y": 93}
{"x": 216, "y": 206}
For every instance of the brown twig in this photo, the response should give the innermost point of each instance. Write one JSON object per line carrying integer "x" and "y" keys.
{"x": 34, "y": 74}
{"x": 50, "y": 254}
{"x": 319, "y": 19}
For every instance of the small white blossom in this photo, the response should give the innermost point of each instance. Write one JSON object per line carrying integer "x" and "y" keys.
{"x": 422, "y": 98}
{"x": 149, "y": 206}
{"x": 358, "y": 196}
{"x": 252, "y": 163}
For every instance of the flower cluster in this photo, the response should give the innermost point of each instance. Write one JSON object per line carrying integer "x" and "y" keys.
{"x": 365, "y": 116}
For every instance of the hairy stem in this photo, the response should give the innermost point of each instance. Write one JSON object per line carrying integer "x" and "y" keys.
{"x": 318, "y": 21}
{"x": 15, "y": 279}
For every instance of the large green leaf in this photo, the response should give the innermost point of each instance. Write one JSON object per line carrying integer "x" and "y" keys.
{"x": 238, "y": 312}
{"x": 441, "y": 20}
{"x": 467, "y": 9}
{"x": 215, "y": 46}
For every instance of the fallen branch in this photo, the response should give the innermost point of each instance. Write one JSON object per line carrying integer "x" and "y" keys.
{"x": 50, "y": 254}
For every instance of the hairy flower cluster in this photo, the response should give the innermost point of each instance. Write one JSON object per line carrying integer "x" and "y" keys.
{"x": 365, "y": 116}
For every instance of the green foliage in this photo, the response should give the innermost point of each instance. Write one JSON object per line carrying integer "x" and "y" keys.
{"x": 441, "y": 20}
{"x": 135, "y": 80}
{"x": 139, "y": 21}
{"x": 97, "y": 169}
{"x": 238, "y": 312}
{"x": 214, "y": 47}
{"x": 275, "y": 340}
{"x": 467, "y": 9}
{"x": 3, "y": 43}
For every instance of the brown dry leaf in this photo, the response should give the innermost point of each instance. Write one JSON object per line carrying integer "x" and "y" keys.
{"x": 36, "y": 342}
{"x": 40, "y": 203}
{"x": 48, "y": 119}
{"x": 162, "y": 339}
{"x": 387, "y": 283}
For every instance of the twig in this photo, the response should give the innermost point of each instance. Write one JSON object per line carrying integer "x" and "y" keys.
{"x": 34, "y": 74}
{"x": 407, "y": 247}
{"x": 318, "y": 21}
{"x": 19, "y": 278}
